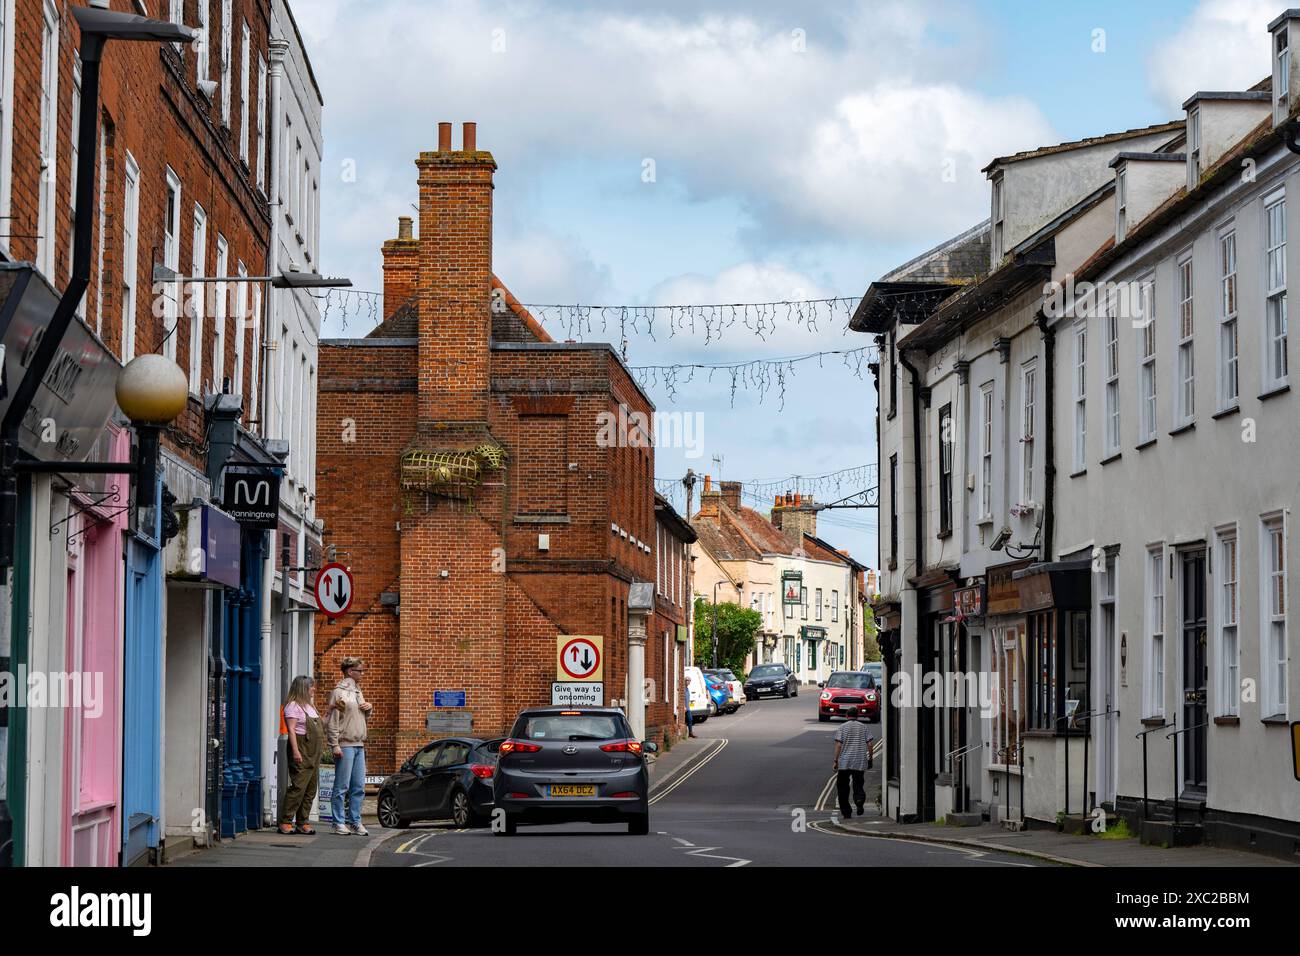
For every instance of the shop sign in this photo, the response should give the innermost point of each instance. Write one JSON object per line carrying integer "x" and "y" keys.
{"x": 810, "y": 633}
{"x": 1036, "y": 591}
{"x": 968, "y": 602}
{"x": 75, "y": 399}
{"x": 252, "y": 498}
{"x": 1003, "y": 589}
{"x": 207, "y": 548}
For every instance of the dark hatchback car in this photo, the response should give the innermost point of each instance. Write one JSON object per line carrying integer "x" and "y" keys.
{"x": 773, "y": 679}
{"x": 448, "y": 778}
{"x": 567, "y": 764}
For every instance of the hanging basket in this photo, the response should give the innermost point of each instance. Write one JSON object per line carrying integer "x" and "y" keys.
{"x": 450, "y": 472}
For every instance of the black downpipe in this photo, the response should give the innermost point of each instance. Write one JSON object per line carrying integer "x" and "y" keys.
{"x": 918, "y": 506}
{"x": 1049, "y": 452}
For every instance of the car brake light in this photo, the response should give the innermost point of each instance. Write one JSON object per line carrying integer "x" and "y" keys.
{"x": 516, "y": 795}
{"x": 625, "y": 793}
{"x": 482, "y": 771}
{"x": 623, "y": 746}
{"x": 518, "y": 746}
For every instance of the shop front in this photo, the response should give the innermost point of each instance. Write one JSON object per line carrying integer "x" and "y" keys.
{"x": 888, "y": 616}
{"x": 1003, "y": 648}
{"x": 1057, "y": 711}
{"x": 938, "y": 643}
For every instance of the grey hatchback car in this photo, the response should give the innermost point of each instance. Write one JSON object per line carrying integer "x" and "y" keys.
{"x": 567, "y": 764}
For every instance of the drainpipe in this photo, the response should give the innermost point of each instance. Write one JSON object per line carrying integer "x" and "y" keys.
{"x": 278, "y": 49}
{"x": 918, "y": 491}
{"x": 1049, "y": 451}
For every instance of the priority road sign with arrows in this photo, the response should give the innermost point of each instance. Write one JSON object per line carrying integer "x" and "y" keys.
{"x": 579, "y": 658}
{"x": 334, "y": 590}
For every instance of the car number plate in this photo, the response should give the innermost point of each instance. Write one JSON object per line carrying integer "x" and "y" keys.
{"x": 572, "y": 790}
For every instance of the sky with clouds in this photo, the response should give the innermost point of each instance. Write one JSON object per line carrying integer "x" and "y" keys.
{"x": 798, "y": 151}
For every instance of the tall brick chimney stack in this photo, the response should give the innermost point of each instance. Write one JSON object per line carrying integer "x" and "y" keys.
{"x": 401, "y": 267}
{"x": 730, "y": 494}
{"x": 787, "y": 516}
{"x": 709, "y": 499}
{"x": 455, "y": 285}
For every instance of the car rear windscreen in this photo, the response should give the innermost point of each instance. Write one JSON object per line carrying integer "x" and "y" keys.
{"x": 768, "y": 670}
{"x": 572, "y": 727}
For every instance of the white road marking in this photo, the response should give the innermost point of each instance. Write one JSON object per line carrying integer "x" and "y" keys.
{"x": 934, "y": 847}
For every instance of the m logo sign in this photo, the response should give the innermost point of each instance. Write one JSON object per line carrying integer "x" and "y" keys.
{"x": 252, "y": 498}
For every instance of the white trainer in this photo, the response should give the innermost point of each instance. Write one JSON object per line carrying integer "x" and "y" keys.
{"x": 341, "y": 830}
{"x": 360, "y": 829}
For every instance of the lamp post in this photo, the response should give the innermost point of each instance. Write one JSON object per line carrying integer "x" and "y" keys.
{"x": 97, "y": 27}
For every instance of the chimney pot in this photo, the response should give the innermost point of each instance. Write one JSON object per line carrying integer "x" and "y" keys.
{"x": 404, "y": 227}
{"x": 469, "y": 137}
{"x": 708, "y": 484}
{"x": 798, "y": 500}
{"x": 444, "y": 137}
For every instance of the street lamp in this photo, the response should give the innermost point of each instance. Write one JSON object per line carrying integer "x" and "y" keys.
{"x": 97, "y": 27}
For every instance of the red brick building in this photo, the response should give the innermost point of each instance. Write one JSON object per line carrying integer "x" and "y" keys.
{"x": 463, "y": 476}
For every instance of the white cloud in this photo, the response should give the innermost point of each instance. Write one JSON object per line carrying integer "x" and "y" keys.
{"x": 1224, "y": 46}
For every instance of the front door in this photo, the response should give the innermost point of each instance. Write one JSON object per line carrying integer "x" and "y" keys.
{"x": 1194, "y": 673}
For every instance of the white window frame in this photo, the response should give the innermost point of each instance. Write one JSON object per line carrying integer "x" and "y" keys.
{"x": 241, "y": 328}
{"x": 171, "y": 291}
{"x": 1282, "y": 63}
{"x": 1194, "y": 146}
{"x": 1153, "y": 674}
{"x": 1028, "y": 406}
{"x": 1229, "y": 342}
{"x": 1185, "y": 279}
{"x": 202, "y": 54}
{"x": 130, "y": 252}
{"x": 999, "y": 217}
{"x": 1273, "y": 609}
{"x": 6, "y": 121}
{"x": 817, "y": 614}
{"x": 245, "y": 81}
{"x": 1112, "y": 426}
{"x": 261, "y": 123}
{"x": 986, "y": 453}
{"x": 1227, "y": 616}
{"x": 196, "y": 297}
{"x": 1080, "y": 396}
{"x": 1148, "y": 397}
{"x": 227, "y": 28}
{"x": 219, "y": 316}
{"x": 803, "y": 603}
{"x": 1275, "y": 309}
{"x": 48, "y": 144}
{"x": 835, "y": 606}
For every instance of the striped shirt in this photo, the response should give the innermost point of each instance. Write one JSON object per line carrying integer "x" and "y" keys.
{"x": 852, "y": 737}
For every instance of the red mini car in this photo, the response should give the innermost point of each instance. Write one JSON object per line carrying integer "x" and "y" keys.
{"x": 845, "y": 689}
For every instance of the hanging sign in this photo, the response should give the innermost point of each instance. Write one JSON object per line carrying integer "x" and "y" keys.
{"x": 792, "y": 587}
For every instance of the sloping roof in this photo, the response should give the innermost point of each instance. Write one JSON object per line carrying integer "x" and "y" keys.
{"x": 740, "y": 535}
{"x": 1172, "y": 126}
{"x": 918, "y": 286}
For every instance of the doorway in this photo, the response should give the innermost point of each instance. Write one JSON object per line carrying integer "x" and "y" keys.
{"x": 1195, "y": 674}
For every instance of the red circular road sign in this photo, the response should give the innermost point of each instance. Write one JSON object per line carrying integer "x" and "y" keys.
{"x": 580, "y": 658}
{"x": 334, "y": 590}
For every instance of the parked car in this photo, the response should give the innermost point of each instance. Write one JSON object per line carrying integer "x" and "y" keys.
{"x": 771, "y": 679}
{"x": 700, "y": 703}
{"x": 877, "y": 670}
{"x": 448, "y": 778}
{"x": 719, "y": 695}
{"x": 734, "y": 687}
{"x": 845, "y": 689}
{"x": 573, "y": 764}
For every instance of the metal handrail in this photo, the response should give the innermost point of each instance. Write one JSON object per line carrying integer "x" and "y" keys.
{"x": 1146, "y": 810}
{"x": 1005, "y": 752}
{"x": 1086, "y": 715}
{"x": 960, "y": 754}
{"x": 1171, "y": 736}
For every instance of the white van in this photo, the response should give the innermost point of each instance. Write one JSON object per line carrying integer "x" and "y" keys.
{"x": 701, "y": 705}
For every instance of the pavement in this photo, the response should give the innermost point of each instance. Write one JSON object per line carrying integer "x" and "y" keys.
{"x": 752, "y": 789}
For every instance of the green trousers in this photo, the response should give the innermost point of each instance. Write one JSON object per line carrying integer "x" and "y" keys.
{"x": 304, "y": 775}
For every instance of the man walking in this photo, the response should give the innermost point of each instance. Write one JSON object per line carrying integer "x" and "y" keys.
{"x": 852, "y": 759}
